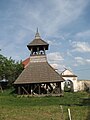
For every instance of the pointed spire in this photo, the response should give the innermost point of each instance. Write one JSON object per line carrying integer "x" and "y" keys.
{"x": 37, "y": 36}
{"x": 37, "y": 29}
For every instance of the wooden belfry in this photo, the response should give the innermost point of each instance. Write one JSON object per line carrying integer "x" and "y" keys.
{"x": 38, "y": 78}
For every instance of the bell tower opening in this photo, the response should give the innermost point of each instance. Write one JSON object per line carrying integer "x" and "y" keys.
{"x": 38, "y": 46}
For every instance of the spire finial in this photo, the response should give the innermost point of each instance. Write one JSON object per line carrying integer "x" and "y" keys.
{"x": 37, "y": 36}
{"x": 37, "y": 29}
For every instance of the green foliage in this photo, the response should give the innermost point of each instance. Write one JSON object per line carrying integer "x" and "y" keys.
{"x": 9, "y": 69}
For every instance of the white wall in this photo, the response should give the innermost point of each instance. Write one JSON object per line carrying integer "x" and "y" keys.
{"x": 78, "y": 85}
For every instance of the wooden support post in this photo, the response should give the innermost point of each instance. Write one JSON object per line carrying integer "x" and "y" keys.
{"x": 47, "y": 88}
{"x": 28, "y": 88}
{"x": 31, "y": 90}
{"x": 38, "y": 50}
{"x": 19, "y": 90}
{"x": 39, "y": 85}
{"x": 44, "y": 50}
{"x": 31, "y": 51}
{"x": 1, "y": 88}
{"x": 60, "y": 87}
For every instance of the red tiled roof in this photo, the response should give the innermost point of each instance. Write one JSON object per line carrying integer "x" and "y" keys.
{"x": 25, "y": 62}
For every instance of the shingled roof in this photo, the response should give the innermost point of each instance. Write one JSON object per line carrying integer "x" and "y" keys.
{"x": 38, "y": 41}
{"x": 40, "y": 72}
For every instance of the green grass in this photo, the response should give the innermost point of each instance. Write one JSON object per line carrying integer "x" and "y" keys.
{"x": 13, "y": 107}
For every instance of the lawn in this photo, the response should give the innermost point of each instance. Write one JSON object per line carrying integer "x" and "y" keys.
{"x": 13, "y": 107}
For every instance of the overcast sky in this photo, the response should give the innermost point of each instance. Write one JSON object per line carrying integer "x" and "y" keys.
{"x": 64, "y": 24}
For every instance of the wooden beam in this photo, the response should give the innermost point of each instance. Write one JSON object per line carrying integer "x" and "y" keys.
{"x": 19, "y": 90}
{"x": 39, "y": 86}
{"x": 25, "y": 90}
{"x": 59, "y": 84}
{"x": 31, "y": 90}
{"x": 60, "y": 88}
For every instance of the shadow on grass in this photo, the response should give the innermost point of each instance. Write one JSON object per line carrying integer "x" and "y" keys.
{"x": 86, "y": 102}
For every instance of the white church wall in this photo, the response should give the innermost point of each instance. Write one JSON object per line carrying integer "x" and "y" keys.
{"x": 78, "y": 85}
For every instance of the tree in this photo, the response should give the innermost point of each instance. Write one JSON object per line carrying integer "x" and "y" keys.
{"x": 9, "y": 69}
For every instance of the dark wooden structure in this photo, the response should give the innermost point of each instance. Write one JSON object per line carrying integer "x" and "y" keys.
{"x": 38, "y": 78}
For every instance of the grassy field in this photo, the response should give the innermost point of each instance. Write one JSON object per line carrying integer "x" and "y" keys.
{"x": 13, "y": 107}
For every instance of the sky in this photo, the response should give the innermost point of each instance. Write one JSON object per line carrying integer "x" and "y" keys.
{"x": 64, "y": 24}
